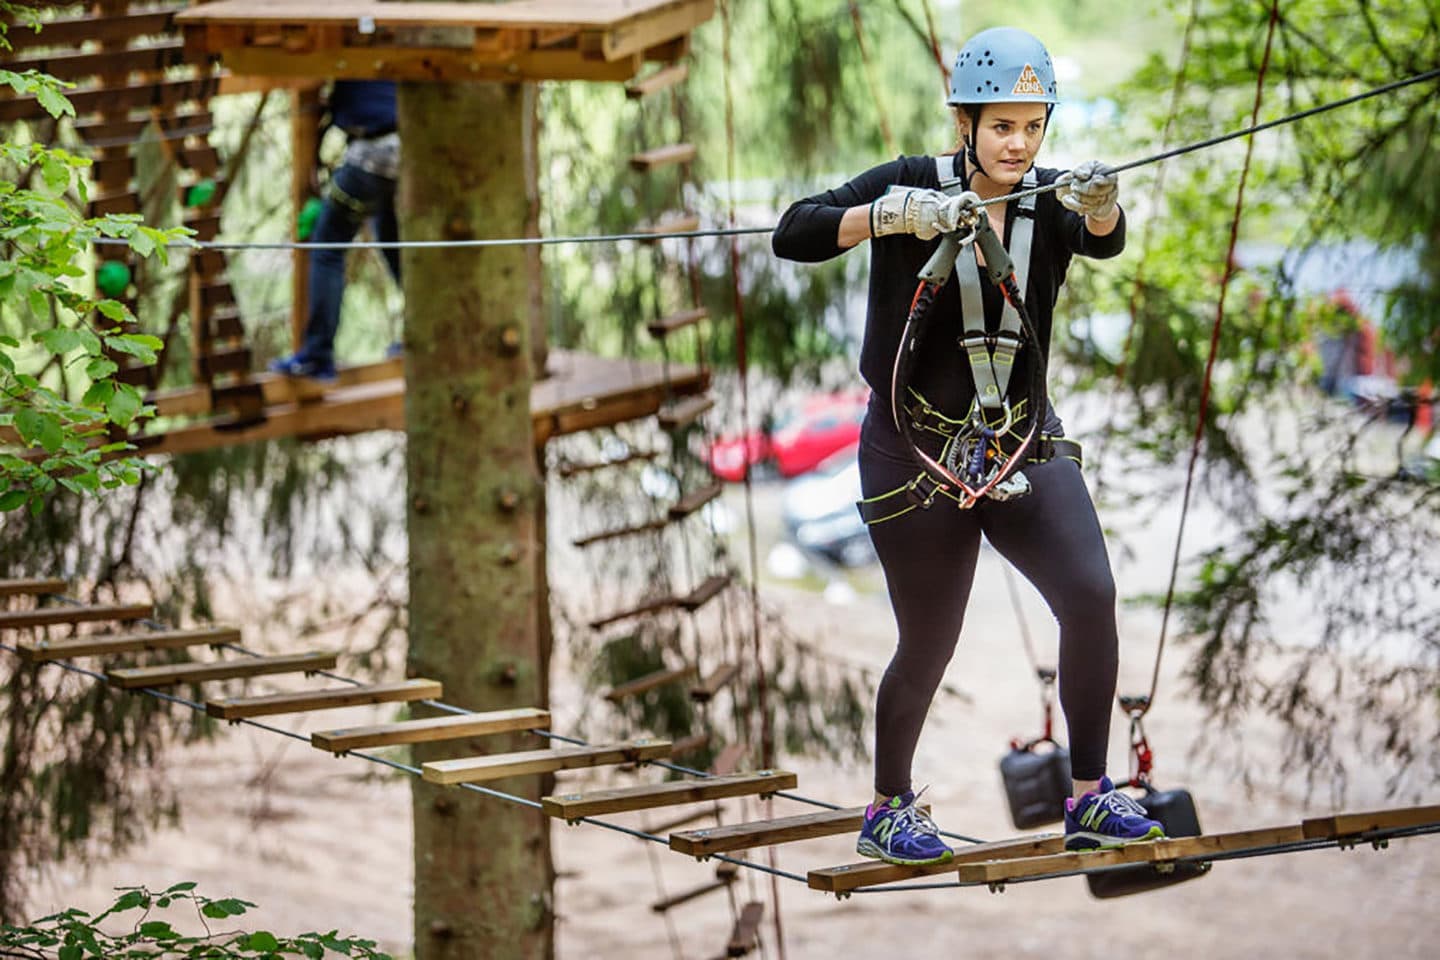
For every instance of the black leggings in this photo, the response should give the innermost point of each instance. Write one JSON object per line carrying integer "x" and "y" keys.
{"x": 1052, "y": 536}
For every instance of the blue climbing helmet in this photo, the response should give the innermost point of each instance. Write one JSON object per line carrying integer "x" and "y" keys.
{"x": 1001, "y": 65}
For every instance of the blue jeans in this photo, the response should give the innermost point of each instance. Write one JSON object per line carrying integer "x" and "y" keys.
{"x": 353, "y": 196}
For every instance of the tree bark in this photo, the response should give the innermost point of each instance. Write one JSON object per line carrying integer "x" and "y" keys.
{"x": 483, "y": 873}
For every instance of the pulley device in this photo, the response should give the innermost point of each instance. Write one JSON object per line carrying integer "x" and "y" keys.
{"x": 1175, "y": 809}
{"x": 1037, "y": 781}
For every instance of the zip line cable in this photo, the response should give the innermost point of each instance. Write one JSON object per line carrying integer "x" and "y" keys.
{"x": 1254, "y": 128}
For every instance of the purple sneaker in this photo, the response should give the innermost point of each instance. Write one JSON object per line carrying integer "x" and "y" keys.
{"x": 1108, "y": 818}
{"x": 899, "y": 831}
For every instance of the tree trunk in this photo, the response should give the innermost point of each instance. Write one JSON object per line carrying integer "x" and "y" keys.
{"x": 483, "y": 873}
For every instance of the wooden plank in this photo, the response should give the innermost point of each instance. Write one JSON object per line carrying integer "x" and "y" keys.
{"x": 746, "y": 933}
{"x": 653, "y": 83}
{"x": 653, "y": 605}
{"x": 217, "y": 362}
{"x": 73, "y": 31}
{"x": 725, "y": 875}
{"x": 677, "y": 321}
{"x": 695, "y": 499}
{"x": 765, "y": 833}
{"x": 216, "y": 295}
{"x": 193, "y": 123}
{"x": 728, "y": 760}
{"x": 113, "y": 170}
{"x": 674, "y": 223}
{"x": 56, "y": 616}
{"x": 649, "y": 681}
{"x": 161, "y": 95}
{"x": 682, "y": 413}
{"x": 170, "y": 674}
{"x": 852, "y": 876}
{"x": 707, "y": 591}
{"x": 1350, "y": 824}
{"x": 29, "y": 587}
{"x": 77, "y": 66}
{"x": 108, "y": 644}
{"x": 105, "y": 204}
{"x": 712, "y": 684}
{"x": 649, "y": 526}
{"x": 546, "y": 15}
{"x": 431, "y": 64}
{"x": 500, "y": 766}
{"x": 639, "y": 34}
{"x": 571, "y": 806}
{"x": 237, "y": 708}
{"x": 568, "y": 468}
{"x": 431, "y": 729}
{"x": 653, "y": 159}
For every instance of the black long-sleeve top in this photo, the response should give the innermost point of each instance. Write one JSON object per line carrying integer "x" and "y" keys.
{"x": 809, "y": 230}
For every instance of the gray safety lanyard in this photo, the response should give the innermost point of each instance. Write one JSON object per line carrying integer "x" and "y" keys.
{"x": 991, "y": 369}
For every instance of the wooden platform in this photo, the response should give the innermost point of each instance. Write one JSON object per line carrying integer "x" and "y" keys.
{"x": 105, "y": 644}
{"x": 572, "y": 806}
{"x": 582, "y": 392}
{"x": 238, "y": 708}
{"x": 431, "y": 730}
{"x": 502, "y": 765}
{"x": 522, "y": 40}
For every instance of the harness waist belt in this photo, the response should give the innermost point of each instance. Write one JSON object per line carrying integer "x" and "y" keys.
{"x": 921, "y": 491}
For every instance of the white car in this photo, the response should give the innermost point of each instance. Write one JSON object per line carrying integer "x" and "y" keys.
{"x": 819, "y": 512}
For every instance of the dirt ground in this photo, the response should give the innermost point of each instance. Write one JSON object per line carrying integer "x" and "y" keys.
{"x": 269, "y": 819}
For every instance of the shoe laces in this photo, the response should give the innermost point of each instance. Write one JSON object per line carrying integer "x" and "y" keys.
{"x": 1122, "y": 803}
{"x": 916, "y": 819}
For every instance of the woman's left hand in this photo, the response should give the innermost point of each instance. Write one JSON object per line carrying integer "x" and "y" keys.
{"x": 1091, "y": 189}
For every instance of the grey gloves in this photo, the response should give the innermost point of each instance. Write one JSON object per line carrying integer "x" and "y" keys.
{"x": 1090, "y": 190}
{"x": 924, "y": 213}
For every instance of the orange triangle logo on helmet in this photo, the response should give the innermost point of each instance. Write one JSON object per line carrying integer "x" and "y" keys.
{"x": 1029, "y": 84}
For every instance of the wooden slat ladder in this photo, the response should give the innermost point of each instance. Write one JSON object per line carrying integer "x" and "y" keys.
{"x": 431, "y": 729}
{"x": 714, "y": 682}
{"x": 708, "y": 590}
{"x": 168, "y": 675}
{"x": 653, "y": 83}
{"x": 35, "y": 587}
{"x": 573, "y": 806}
{"x": 58, "y": 616}
{"x": 695, "y": 500}
{"x": 682, "y": 413}
{"x": 1342, "y": 826}
{"x": 238, "y": 708}
{"x": 677, "y": 321}
{"x": 852, "y": 876}
{"x": 725, "y": 874}
{"x": 746, "y": 933}
{"x": 642, "y": 684}
{"x": 108, "y": 644}
{"x": 499, "y": 766}
{"x": 997, "y": 872}
{"x": 657, "y": 157}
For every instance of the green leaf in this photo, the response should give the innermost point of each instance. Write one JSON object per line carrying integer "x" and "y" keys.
{"x": 72, "y": 951}
{"x": 100, "y": 368}
{"x": 59, "y": 340}
{"x": 142, "y": 242}
{"x": 159, "y": 930}
{"x": 181, "y": 887}
{"x": 138, "y": 345}
{"x": 262, "y": 940}
{"x": 36, "y": 426}
{"x": 54, "y": 102}
{"x": 115, "y": 310}
{"x": 55, "y": 172}
{"x": 124, "y": 404}
{"x": 13, "y": 499}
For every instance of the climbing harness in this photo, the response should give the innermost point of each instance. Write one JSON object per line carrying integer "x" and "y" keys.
{"x": 981, "y": 454}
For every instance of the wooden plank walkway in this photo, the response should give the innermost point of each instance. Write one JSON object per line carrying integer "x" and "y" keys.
{"x": 170, "y": 674}
{"x": 103, "y": 644}
{"x": 432, "y": 729}
{"x": 237, "y": 708}
{"x": 501, "y": 765}
{"x": 572, "y": 806}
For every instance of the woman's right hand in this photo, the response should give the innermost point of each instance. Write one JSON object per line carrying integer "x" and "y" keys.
{"x": 914, "y": 210}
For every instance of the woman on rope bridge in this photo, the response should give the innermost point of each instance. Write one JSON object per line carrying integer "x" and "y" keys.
{"x": 953, "y": 446}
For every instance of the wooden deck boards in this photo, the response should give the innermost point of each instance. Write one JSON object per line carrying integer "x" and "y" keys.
{"x": 583, "y": 392}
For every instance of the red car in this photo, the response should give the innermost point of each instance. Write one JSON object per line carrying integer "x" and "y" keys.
{"x": 798, "y": 440}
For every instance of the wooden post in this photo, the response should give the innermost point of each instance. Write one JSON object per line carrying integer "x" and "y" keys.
{"x": 304, "y": 129}
{"x": 484, "y": 878}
